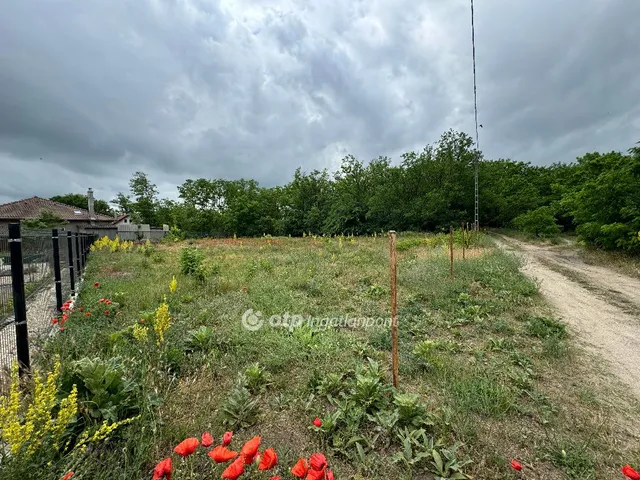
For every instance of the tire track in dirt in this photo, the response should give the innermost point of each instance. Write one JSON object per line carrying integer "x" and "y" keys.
{"x": 600, "y": 305}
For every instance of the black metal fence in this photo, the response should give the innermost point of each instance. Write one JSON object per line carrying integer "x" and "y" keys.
{"x": 39, "y": 270}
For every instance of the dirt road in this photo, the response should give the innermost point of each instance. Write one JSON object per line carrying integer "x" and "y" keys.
{"x": 600, "y": 305}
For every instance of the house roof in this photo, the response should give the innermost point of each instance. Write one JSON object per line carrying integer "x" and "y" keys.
{"x": 30, "y": 208}
{"x": 119, "y": 218}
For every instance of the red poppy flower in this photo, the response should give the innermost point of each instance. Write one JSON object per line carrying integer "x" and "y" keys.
{"x": 221, "y": 454}
{"x": 226, "y": 438}
{"x": 316, "y": 474}
{"x": 234, "y": 470}
{"x": 106, "y": 312}
{"x": 300, "y": 468}
{"x": 68, "y": 476}
{"x": 317, "y": 422}
{"x": 330, "y": 475}
{"x": 250, "y": 449}
{"x": 101, "y": 300}
{"x": 630, "y": 472}
{"x": 87, "y": 314}
{"x": 163, "y": 469}
{"x": 96, "y": 284}
{"x": 62, "y": 329}
{"x": 276, "y": 477}
{"x": 318, "y": 461}
{"x": 65, "y": 317}
{"x": 187, "y": 447}
{"x": 54, "y": 320}
{"x": 207, "y": 440}
{"x": 516, "y": 465}
{"x": 108, "y": 302}
{"x": 268, "y": 460}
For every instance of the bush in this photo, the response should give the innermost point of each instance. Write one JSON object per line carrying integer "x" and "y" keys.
{"x": 538, "y": 223}
{"x": 104, "y": 393}
{"x": 191, "y": 259}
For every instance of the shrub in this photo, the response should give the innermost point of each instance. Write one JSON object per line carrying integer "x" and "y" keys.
{"x": 538, "y": 223}
{"x": 191, "y": 259}
{"x": 240, "y": 409}
{"x": 201, "y": 339}
{"x": 104, "y": 392}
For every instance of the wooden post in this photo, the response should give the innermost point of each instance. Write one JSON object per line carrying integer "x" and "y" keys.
{"x": 451, "y": 252}
{"x": 464, "y": 240}
{"x": 394, "y": 308}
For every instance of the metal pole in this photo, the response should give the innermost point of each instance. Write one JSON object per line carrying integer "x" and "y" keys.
{"x": 19, "y": 299}
{"x": 83, "y": 243}
{"x": 78, "y": 267}
{"x": 476, "y": 214}
{"x": 71, "y": 272}
{"x": 476, "y": 223}
{"x": 394, "y": 309}
{"x": 56, "y": 267}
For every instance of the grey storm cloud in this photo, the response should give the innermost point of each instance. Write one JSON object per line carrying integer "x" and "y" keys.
{"x": 92, "y": 91}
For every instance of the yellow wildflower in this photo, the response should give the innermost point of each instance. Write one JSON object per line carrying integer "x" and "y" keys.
{"x": 38, "y": 423}
{"x": 104, "y": 432}
{"x": 173, "y": 285}
{"x": 161, "y": 321}
{"x": 140, "y": 333}
{"x": 115, "y": 245}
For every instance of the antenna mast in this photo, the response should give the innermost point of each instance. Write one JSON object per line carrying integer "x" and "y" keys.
{"x": 476, "y": 216}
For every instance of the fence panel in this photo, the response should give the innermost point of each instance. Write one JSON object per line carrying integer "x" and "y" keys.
{"x": 7, "y": 328}
{"x": 39, "y": 285}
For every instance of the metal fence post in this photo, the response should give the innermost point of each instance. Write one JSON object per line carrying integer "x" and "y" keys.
{"x": 83, "y": 255}
{"x": 19, "y": 299}
{"x": 56, "y": 267}
{"x": 85, "y": 249}
{"x": 71, "y": 273}
{"x": 78, "y": 267}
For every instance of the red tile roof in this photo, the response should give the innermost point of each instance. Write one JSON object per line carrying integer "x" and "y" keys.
{"x": 32, "y": 207}
{"x": 120, "y": 218}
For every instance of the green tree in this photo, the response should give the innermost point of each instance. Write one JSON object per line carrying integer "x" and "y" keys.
{"x": 45, "y": 219}
{"x": 144, "y": 204}
{"x": 605, "y": 202}
{"x": 79, "y": 200}
{"x": 145, "y": 194}
{"x": 538, "y": 223}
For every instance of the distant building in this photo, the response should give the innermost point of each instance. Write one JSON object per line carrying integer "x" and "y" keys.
{"x": 32, "y": 208}
{"x": 122, "y": 220}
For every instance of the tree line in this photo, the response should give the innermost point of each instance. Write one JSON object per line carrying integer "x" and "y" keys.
{"x": 598, "y": 196}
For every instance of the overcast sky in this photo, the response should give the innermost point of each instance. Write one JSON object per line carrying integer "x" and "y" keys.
{"x": 91, "y": 91}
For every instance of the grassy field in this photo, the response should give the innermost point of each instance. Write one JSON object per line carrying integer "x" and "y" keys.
{"x": 487, "y": 374}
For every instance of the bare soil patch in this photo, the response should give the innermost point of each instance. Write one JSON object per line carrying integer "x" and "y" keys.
{"x": 600, "y": 304}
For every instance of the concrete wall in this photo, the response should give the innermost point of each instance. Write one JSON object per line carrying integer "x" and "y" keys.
{"x": 141, "y": 232}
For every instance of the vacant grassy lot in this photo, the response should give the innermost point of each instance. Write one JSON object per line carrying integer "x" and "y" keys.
{"x": 486, "y": 373}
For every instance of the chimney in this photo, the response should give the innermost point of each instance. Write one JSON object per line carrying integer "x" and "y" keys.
{"x": 92, "y": 215}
